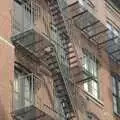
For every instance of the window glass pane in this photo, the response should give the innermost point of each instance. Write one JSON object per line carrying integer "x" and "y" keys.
{"x": 27, "y": 102}
{"x": 27, "y": 88}
{"x": 94, "y": 89}
{"x": 90, "y": 64}
{"x": 85, "y": 62}
{"x": 16, "y": 100}
{"x": 119, "y": 88}
{"x": 86, "y": 86}
{"x": 114, "y": 104}
{"x": 91, "y": 67}
{"x": 119, "y": 105}
{"x": 113, "y": 85}
{"x": 17, "y": 82}
{"x": 27, "y": 91}
{"x": 22, "y": 90}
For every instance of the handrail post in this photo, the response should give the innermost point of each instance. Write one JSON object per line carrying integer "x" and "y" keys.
{"x": 32, "y": 90}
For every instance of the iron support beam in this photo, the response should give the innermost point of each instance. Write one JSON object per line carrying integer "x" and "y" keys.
{"x": 90, "y": 25}
{"x": 107, "y": 41}
{"x": 33, "y": 43}
{"x": 118, "y": 50}
{"x": 97, "y": 34}
{"x": 79, "y": 14}
{"x": 84, "y": 80}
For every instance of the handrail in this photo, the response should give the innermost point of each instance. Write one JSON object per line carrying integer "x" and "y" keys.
{"x": 70, "y": 94}
{"x": 89, "y": 3}
{"x": 53, "y": 110}
{"x": 36, "y": 101}
{"x": 112, "y": 6}
{"x": 34, "y": 13}
{"x": 44, "y": 107}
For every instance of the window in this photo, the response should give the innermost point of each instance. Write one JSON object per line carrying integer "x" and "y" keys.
{"x": 22, "y": 17}
{"x": 116, "y": 93}
{"x": 90, "y": 65}
{"x": 22, "y": 90}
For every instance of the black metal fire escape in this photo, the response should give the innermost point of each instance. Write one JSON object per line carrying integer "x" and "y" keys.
{"x": 55, "y": 52}
{"x": 59, "y": 62}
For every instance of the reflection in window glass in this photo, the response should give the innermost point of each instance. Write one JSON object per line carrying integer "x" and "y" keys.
{"x": 116, "y": 93}
{"x": 90, "y": 65}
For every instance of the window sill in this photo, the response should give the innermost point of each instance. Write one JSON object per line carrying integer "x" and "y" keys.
{"x": 93, "y": 99}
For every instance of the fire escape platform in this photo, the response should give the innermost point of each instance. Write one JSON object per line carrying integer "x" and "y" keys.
{"x": 35, "y": 109}
{"x": 30, "y": 113}
{"x": 32, "y": 41}
{"x": 95, "y": 31}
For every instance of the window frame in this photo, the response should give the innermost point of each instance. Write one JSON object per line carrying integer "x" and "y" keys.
{"x": 91, "y": 82}
{"x": 21, "y": 92}
{"x": 116, "y": 95}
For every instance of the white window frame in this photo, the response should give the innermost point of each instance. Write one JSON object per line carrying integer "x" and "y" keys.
{"x": 116, "y": 93}
{"x": 92, "y": 85}
{"x": 19, "y": 89}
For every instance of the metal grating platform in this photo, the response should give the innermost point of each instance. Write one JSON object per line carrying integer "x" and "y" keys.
{"x": 96, "y": 31}
{"x": 30, "y": 113}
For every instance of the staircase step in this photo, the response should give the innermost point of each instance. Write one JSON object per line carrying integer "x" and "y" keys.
{"x": 70, "y": 116}
{"x": 53, "y": 3}
{"x": 51, "y": 57}
{"x": 53, "y": 63}
{"x": 61, "y": 92}
{"x": 54, "y": 8}
{"x": 59, "y": 22}
{"x": 57, "y": 18}
{"x": 60, "y": 96}
{"x": 55, "y": 74}
{"x": 55, "y": 13}
{"x": 61, "y": 27}
{"x": 54, "y": 70}
{"x": 63, "y": 34}
{"x": 57, "y": 85}
{"x": 71, "y": 57}
{"x": 58, "y": 80}
{"x": 69, "y": 52}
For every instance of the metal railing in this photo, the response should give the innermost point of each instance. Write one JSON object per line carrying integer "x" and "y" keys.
{"x": 112, "y": 9}
{"x": 29, "y": 15}
{"x": 88, "y": 3}
{"x": 33, "y": 100}
{"x": 70, "y": 87}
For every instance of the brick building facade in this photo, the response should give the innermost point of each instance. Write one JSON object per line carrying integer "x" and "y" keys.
{"x": 59, "y": 60}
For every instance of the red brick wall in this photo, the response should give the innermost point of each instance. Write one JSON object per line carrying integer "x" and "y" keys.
{"x": 103, "y": 107}
{"x": 5, "y": 18}
{"x": 6, "y": 77}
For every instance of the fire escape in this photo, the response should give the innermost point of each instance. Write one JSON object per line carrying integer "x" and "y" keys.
{"x": 102, "y": 36}
{"x": 53, "y": 51}
{"x": 50, "y": 51}
{"x": 94, "y": 30}
{"x": 99, "y": 34}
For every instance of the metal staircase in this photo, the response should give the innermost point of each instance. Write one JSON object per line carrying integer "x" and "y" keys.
{"x": 56, "y": 52}
{"x": 76, "y": 72}
{"x": 60, "y": 87}
{"x": 59, "y": 63}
